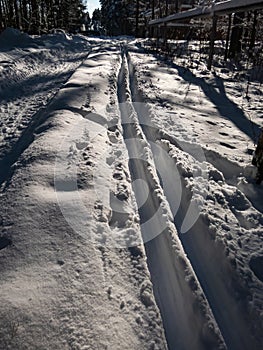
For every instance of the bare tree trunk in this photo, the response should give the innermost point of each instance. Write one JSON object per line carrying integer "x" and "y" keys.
{"x": 258, "y": 159}
{"x": 228, "y": 35}
{"x": 236, "y": 35}
{"x": 24, "y": 14}
{"x": 253, "y": 34}
{"x": 11, "y": 15}
{"x": 153, "y": 16}
{"x": 160, "y": 9}
{"x": 212, "y": 43}
{"x": 17, "y": 16}
{"x": 137, "y": 18}
{"x": 176, "y": 5}
{"x": 43, "y": 18}
{"x": 34, "y": 17}
{"x": 1, "y": 17}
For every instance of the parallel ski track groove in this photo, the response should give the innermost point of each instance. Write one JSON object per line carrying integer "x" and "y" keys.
{"x": 171, "y": 292}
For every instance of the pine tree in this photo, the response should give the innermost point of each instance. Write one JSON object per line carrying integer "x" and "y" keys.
{"x": 96, "y": 20}
{"x": 123, "y": 17}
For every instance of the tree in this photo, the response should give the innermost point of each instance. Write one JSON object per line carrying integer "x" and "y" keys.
{"x": 123, "y": 16}
{"x": 236, "y": 35}
{"x": 96, "y": 20}
{"x": 86, "y": 21}
{"x": 253, "y": 33}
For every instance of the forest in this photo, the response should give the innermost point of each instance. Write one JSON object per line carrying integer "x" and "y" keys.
{"x": 39, "y": 16}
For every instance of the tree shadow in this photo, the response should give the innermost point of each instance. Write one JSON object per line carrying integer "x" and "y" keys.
{"x": 217, "y": 95}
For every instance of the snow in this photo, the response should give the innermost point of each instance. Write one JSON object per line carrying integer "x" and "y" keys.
{"x": 130, "y": 215}
{"x": 70, "y": 280}
{"x": 13, "y": 37}
{"x": 208, "y": 129}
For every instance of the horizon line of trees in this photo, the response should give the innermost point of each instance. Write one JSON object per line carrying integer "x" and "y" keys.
{"x": 130, "y": 17}
{"x": 39, "y": 16}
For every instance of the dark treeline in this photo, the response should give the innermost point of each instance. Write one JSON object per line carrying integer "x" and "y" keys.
{"x": 40, "y": 16}
{"x": 131, "y": 17}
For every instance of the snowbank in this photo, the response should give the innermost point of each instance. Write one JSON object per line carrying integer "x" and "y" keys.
{"x": 11, "y": 37}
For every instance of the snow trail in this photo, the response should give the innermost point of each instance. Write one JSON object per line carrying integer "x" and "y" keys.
{"x": 187, "y": 319}
{"x": 81, "y": 290}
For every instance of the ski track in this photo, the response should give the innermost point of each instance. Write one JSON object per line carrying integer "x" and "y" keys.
{"x": 184, "y": 323}
{"x": 207, "y": 259}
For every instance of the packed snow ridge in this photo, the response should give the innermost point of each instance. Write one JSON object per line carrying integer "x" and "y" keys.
{"x": 130, "y": 215}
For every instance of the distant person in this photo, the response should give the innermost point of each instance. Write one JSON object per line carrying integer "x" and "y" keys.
{"x": 258, "y": 159}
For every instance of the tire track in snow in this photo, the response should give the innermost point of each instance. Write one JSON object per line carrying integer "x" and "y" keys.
{"x": 186, "y": 316}
{"x": 207, "y": 260}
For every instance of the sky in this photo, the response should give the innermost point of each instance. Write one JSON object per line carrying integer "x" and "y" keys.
{"x": 92, "y": 5}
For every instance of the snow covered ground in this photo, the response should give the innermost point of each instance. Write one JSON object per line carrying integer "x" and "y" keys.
{"x": 130, "y": 218}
